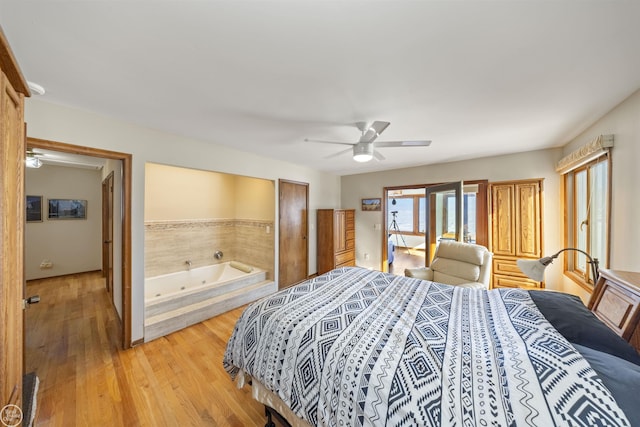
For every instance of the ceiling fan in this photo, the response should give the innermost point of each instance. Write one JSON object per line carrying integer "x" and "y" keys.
{"x": 365, "y": 149}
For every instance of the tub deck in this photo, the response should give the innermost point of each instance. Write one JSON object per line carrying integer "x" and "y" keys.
{"x": 166, "y": 315}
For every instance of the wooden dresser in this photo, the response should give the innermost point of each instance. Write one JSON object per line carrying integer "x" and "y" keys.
{"x": 616, "y": 301}
{"x": 336, "y": 239}
{"x": 516, "y": 231}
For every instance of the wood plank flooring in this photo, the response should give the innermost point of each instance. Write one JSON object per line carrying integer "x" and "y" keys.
{"x": 71, "y": 342}
{"x": 406, "y": 259}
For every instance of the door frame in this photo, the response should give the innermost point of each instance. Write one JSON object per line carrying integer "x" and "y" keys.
{"x": 126, "y": 162}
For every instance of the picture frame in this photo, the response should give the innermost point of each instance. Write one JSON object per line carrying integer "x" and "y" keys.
{"x": 372, "y": 204}
{"x": 34, "y": 208}
{"x": 67, "y": 209}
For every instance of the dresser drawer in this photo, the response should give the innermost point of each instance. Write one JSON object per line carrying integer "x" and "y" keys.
{"x": 344, "y": 257}
{"x": 514, "y": 282}
{"x": 350, "y": 263}
{"x": 350, "y": 244}
{"x": 507, "y": 267}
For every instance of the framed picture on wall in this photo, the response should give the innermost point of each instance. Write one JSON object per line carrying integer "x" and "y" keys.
{"x": 34, "y": 208}
{"x": 371, "y": 204}
{"x": 67, "y": 209}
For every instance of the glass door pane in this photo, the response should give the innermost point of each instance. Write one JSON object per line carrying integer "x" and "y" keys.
{"x": 444, "y": 215}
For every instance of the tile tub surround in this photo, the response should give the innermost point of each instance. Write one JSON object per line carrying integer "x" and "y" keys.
{"x": 169, "y": 244}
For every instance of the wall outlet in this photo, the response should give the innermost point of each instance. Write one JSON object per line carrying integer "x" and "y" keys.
{"x": 268, "y": 227}
{"x": 366, "y": 256}
{"x": 46, "y": 264}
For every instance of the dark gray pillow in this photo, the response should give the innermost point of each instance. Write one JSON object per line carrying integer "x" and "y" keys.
{"x": 580, "y": 326}
{"x": 620, "y": 377}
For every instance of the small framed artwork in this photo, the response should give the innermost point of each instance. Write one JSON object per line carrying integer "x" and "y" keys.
{"x": 372, "y": 204}
{"x": 67, "y": 209}
{"x": 34, "y": 208}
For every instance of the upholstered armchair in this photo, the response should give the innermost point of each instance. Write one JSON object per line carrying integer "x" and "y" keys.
{"x": 456, "y": 263}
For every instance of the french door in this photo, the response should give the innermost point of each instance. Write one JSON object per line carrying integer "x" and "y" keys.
{"x": 444, "y": 207}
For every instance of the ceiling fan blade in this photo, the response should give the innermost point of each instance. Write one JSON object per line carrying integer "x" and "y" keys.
{"x": 373, "y": 131}
{"x": 378, "y": 156}
{"x": 379, "y": 127}
{"x": 339, "y": 153}
{"x": 328, "y": 142}
{"x": 423, "y": 143}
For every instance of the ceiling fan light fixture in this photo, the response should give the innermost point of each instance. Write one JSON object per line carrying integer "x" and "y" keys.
{"x": 362, "y": 152}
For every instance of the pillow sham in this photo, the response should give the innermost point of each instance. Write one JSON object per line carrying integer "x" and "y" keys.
{"x": 580, "y": 326}
{"x": 621, "y": 377}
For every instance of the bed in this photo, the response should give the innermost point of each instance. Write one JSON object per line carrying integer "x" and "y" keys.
{"x": 356, "y": 347}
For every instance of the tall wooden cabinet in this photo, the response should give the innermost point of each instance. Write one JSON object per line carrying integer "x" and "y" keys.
{"x": 13, "y": 89}
{"x": 516, "y": 230}
{"x": 336, "y": 239}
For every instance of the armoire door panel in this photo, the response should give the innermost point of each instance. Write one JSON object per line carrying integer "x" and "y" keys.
{"x": 528, "y": 220}
{"x": 503, "y": 220}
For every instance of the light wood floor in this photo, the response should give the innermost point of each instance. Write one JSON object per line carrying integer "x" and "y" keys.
{"x": 86, "y": 380}
{"x": 404, "y": 258}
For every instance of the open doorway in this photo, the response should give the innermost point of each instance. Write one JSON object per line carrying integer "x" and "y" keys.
{"x": 122, "y": 287}
{"x": 417, "y": 217}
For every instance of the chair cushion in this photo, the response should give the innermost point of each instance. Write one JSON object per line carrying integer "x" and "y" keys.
{"x": 458, "y": 271}
{"x": 423, "y": 273}
{"x": 467, "y": 252}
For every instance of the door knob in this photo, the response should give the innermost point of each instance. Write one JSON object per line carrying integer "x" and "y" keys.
{"x": 34, "y": 299}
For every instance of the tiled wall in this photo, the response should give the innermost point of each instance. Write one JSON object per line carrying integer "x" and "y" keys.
{"x": 169, "y": 244}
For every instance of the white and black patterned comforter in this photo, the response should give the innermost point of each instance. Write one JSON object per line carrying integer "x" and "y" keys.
{"x": 356, "y": 347}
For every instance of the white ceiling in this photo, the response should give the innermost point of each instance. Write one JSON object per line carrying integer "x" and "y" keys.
{"x": 478, "y": 78}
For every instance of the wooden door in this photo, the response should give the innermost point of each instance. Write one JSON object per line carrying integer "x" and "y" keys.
{"x": 293, "y": 225}
{"x": 107, "y": 232}
{"x": 12, "y": 222}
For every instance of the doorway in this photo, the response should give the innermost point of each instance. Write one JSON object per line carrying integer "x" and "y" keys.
{"x": 293, "y": 221}
{"x": 125, "y": 258}
{"x": 418, "y": 216}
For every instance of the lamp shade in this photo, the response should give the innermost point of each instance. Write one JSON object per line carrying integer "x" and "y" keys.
{"x": 532, "y": 268}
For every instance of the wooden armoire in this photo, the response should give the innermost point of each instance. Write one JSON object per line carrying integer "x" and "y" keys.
{"x": 13, "y": 89}
{"x": 516, "y": 231}
{"x": 336, "y": 238}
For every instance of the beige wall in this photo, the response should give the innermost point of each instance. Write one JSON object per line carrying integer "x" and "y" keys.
{"x": 533, "y": 164}
{"x": 190, "y": 214}
{"x": 174, "y": 193}
{"x": 623, "y": 122}
{"x": 71, "y": 245}
{"x": 74, "y": 126}
{"x": 255, "y": 198}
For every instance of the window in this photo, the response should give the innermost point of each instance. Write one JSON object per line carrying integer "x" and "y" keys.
{"x": 409, "y": 206}
{"x": 405, "y": 214}
{"x": 587, "y": 220}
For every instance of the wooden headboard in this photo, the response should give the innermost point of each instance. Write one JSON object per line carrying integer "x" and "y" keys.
{"x": 616, "y": 301}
